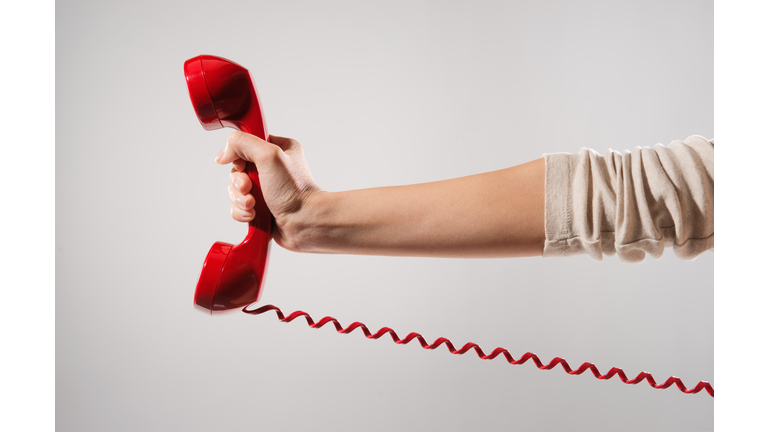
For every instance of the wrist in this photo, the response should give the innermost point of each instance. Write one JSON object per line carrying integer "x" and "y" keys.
{"x": 307, "y": 230}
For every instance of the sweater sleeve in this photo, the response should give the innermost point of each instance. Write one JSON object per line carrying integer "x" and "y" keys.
{"x": 633, "y": 203}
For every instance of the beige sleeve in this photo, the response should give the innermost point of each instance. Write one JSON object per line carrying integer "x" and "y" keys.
{"x": 633, "y": 203}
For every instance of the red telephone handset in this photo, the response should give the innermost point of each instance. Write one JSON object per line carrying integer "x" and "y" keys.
{"x": 223, "y": 95}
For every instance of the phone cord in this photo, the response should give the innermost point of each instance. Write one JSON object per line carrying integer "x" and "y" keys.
{"x": 702, "y": 385}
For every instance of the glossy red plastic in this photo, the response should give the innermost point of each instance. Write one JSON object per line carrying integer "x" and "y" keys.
{"x": 223, "y": 95}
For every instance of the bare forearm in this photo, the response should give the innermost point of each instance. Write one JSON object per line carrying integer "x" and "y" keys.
{"x": 495, "y": 214}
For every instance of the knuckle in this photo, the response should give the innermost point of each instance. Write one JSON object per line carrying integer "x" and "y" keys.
{"x": 234, "y": 138}
{"x": 273, "y": 152}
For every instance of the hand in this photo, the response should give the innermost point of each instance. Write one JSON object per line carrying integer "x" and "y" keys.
{"x": 495, "y": 214}
{"x": 286, "y": 181}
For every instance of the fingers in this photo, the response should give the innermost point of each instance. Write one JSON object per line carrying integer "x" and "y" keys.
{"x": 239, "y": 193}
{"x": 240, "y": 183}
{"x": 241, "y": 215}
{"x": 238, "y": 165}
{"x": 237, "y": 152}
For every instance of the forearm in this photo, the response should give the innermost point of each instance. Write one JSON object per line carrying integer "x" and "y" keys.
{"x": 495, "y": 214}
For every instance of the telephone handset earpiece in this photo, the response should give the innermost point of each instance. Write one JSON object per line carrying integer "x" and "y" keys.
{"x": 223, "y": 95}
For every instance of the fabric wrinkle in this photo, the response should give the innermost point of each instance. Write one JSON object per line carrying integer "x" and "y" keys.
{"x": 633, "y": 203}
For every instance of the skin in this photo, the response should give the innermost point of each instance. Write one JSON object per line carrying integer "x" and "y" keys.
{"x": 490, "y": 215}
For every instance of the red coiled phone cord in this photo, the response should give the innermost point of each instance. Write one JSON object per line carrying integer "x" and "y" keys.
{"x": 702, "y": 385}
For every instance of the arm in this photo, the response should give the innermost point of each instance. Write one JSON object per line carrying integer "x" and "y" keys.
{"x": 495, "y": 214}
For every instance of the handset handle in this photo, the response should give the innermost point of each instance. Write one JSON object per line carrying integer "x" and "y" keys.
{"x": 261, "y": 225}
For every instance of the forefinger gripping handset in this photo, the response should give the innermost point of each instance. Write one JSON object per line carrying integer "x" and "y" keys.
{"x": 223, "y": 95}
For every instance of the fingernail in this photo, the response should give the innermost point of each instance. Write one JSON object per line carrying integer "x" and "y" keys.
{"x": 238, "y": 182}
{"x": 241, "y": 201}
{"x": 245, "y": 214}
{"x": 219, "y": 155}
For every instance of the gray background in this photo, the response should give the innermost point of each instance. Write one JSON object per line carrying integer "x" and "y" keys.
{"x": 379, "y": 94}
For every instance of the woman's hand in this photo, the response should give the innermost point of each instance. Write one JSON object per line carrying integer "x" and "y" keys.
{"x": 495, "y": 214}
{"x": 286, "y": 182}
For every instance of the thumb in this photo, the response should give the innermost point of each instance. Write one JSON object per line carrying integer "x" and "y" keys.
{"x": 241, "y": 145}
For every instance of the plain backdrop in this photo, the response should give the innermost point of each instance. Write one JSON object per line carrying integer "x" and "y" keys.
{"x": 379, "y": 94}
